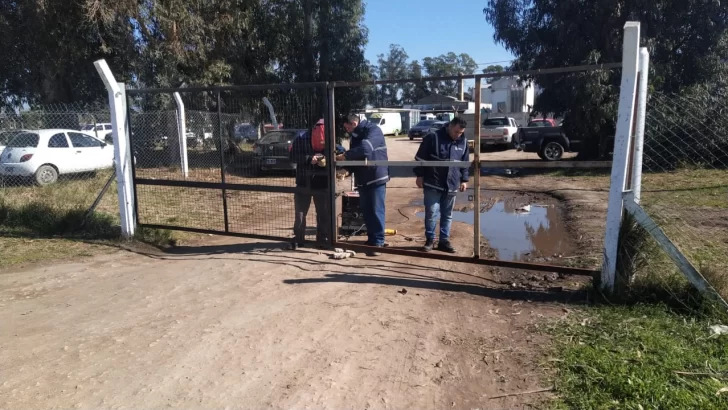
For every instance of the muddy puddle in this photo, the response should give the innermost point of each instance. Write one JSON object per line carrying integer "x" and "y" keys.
{"x": 517, "y": 228}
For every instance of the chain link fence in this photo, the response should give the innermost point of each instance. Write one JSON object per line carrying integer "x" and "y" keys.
{"x": 685, "y": 191}
{"x": 56, "y": 162}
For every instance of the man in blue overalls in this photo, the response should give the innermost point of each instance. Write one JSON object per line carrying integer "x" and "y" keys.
{"x": 441, "y": 184}
{"x": 367, "y": 142}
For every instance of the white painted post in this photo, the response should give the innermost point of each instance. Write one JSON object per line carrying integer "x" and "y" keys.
{"x": 122, "y": 154}
{"x": 182, "y": 131}
{"x": 630, "y": 57}
{"x": 639, "y": 140}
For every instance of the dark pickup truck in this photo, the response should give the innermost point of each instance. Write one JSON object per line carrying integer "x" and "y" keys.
{"x": 549, "y": 143}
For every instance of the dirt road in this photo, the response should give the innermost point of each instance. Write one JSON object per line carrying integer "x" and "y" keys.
{"x": 224, "y": 323}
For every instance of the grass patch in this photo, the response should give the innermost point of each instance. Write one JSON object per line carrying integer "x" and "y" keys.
{"x": 639, "y": 357}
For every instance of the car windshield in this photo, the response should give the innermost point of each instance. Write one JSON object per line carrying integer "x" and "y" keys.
{"x": 7, "y": 136}
{"x": 24, "y": 140}
{"x": 274, "y": 138}
{"x": 427, "y": 123}
{"x": 490, "y": 122}
{"x": 87, "y": 127}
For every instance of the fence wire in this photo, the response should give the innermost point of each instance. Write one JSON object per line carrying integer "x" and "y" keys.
{"x": 235, "y": 137}
{"x": 685, "y": 188}
{"x": 55, "y": 162}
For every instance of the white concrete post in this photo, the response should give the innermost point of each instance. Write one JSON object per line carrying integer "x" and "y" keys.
{"x": 122, "y": 154}
{"x": 182, "y": 131}
{"x": 639, "y": 139}
{"x": 620, "y": 160}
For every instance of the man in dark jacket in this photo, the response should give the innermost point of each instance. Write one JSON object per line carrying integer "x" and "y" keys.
{"x": 441, "y": 184}
{"x": 310, "y": 174}
{"x": 367, "y": 142}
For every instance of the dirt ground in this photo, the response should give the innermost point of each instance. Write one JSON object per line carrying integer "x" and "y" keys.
{"x": 228, "y": 323}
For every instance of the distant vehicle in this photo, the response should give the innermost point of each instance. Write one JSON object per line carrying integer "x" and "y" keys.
{"x": 246, "y": 133}
{"x": 271, "y": 151}
{"x": 498, "y": 131}
{"x": 542, "y": 122}
{"x": 45, "y": 154}
{"x": 549, "y": 143}
{"x": 425, "y": 127}
{"x": 389, "y": 122}
{"x": 6, "y": 136}
{"x": 96, "y": 127}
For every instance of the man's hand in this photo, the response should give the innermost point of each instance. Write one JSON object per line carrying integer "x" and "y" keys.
{"x": 341, "y": 157}
{"x": 420, "y": 182}
{"x": 315, "y": 159}
{"x": 463, "y": 186}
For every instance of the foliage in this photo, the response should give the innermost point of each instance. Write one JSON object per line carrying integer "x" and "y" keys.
{"x": 686, "y": 40}
{"x": 639, "y": 357}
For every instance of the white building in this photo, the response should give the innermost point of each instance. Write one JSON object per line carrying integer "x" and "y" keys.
{"x": 505, "y": 97}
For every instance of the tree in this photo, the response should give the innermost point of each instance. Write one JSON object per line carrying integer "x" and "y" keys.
{"x": 418, "y": 89}
{"x": 493, "y": 69}
{"x": 393, "y": 66}
{"x": 449, "y": 64}
{"x": 685, "y": 40}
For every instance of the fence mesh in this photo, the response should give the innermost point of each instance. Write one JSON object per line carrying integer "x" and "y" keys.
{"x": 56, "y": 162}
{"x": 685, "y": 187}
{"x": 235, "y": 137}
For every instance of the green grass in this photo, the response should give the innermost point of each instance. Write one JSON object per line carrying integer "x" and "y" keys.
{"x": 639, "y": 357}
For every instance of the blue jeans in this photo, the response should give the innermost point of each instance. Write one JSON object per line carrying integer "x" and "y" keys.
{"x": 371, "y": 201}
{"x": 442, "y": 203}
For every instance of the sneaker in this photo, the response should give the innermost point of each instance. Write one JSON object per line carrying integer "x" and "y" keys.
{"x": 445, "y": 247}
{"x": 428, "y": 246}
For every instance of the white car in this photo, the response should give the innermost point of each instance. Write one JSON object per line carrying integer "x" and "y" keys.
{"x": 46, "y": 154}
{"x": 498, "y": 131}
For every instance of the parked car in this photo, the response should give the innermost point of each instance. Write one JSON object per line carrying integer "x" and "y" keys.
{"x": 45, "y": 154}
{"x": 425, "y": 127}
{"x": 5, "y": 137}
{"x": 549, "y": 143}
{"x": 271, "y": 151}
{"x": 542, "y": 122}
{"x": 498, "y": 131}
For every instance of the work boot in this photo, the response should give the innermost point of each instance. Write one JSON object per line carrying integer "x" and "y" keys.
{"x": 445, "y": 247}
{"x": 374, "y": 253}
{"x": 428, "y": 245}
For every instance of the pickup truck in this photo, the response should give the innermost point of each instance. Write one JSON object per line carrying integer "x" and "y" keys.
{"x": 498, "y": 131}
{"x": 549, "y": 143}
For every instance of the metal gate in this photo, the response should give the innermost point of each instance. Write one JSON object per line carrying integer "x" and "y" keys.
{"x": 215, "y": 160}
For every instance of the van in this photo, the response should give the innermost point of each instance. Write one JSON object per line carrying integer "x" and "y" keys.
{"x": 389, "y": 122}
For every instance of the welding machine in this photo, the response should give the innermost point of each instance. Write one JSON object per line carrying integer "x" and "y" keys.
{"x": 352, "y": 220}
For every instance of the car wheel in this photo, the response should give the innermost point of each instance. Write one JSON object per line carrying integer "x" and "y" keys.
{"x": 552, "y": 151}
{"x": 46, "y": 175}
{"x": 411, "y": 138}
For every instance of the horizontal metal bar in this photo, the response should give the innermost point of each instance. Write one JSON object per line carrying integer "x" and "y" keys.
{"x": 215, "y": 232}
{"x": 544, "y": 71}
{"x": 545, "y": 164}
{"x": 251, "y": 87}
{"x": 484, "y": 164}
{"x": 444, "y": 164}
{"x": 228, "y": 186}
{"x": 463, "y": 259}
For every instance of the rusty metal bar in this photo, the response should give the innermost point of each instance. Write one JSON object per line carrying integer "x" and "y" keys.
{"x": 476, "y": 261}
{"x": 544, "y": 71}
{"x": 476, "y": 177}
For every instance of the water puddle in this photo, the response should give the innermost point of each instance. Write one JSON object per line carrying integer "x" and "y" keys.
{"x": 518, "y": 230}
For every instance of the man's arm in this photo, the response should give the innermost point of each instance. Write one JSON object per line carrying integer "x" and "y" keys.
{"x": 363, "y": 150}
{"x": 465, "y": 172}
{"x": 423, "y": 154}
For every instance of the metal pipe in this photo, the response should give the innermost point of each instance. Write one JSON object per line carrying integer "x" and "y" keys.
{"x": 476, "y": 179}
{"x": 330, "y": 124}
{"x": 483, "y": 164}
{"x": 256, "y": 87}
{"x": 639, "y": 141}
{"x": 222, "y": 162}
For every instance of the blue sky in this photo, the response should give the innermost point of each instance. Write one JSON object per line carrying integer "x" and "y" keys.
{"x": 428, "y": 28}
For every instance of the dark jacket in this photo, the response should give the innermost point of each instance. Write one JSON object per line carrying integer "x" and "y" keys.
{"x": 438, "y": 146}
{"x": 308, "y": 175}
{"x": 367, "y": 142}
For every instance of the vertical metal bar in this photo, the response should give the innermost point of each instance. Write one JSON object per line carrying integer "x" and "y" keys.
{"x": 630, "y": 159}
{"x": 639, "y": 141}
{"x": 476, "y": 170}
{"x": 222, "y": 162}
{"x": 331, "y": 154}
{"x": 132, "y": 152}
